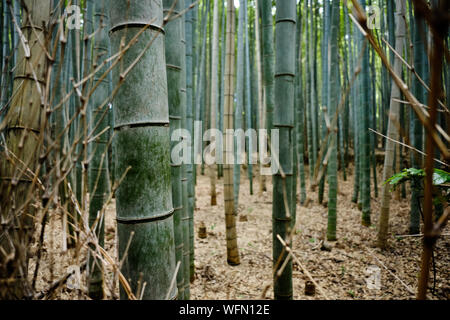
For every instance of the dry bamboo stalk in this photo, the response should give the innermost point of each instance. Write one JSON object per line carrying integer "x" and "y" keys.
{"x": 230, "y": 219}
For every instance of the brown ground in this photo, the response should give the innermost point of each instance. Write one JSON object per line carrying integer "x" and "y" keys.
{"x": 341, "y": 272}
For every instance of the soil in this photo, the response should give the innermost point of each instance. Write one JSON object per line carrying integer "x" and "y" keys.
{"x": 342, "y": 273}
{"x": 342, "y": 268}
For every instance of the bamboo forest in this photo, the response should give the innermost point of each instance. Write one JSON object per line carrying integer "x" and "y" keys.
{"x": 224, "y": 150}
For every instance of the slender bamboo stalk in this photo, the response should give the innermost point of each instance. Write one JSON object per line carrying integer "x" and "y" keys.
{"x": 6, "y": 57}
{"x": 248, "y": 99}
{"x": 300, "y": 107}
{"x": 214, "y": 94}
{"x": 440, "y": 33}
{"x": 393, "y": 134}
{"x": 184, "y": 169}
{"x": 174, "y": 74}
{"x": 99, "y": 184}
{"x": 189, "y": 34}
{"x": 230, "y": 219}
{"x": 240, "y": 99}
{"x": 261, "y": 102}
{"x": 416, "y": 129}
{"x": 334, "y": 90}
{"x": 268, "y": 60}
{"x": 364, "y": 133}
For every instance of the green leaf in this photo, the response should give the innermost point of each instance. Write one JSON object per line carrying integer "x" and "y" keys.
{"x": 440, "y": 177}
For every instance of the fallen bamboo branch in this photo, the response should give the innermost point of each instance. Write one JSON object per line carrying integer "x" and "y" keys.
{"x": 289, "y": 250}
{"x": 393, "y": 274}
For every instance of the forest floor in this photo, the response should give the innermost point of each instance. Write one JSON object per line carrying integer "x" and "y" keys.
{"x": 342, "y": 273}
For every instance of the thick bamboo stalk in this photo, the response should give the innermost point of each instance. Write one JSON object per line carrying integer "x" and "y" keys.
{"x": 24, "y": 127}
{"x": 142, "y": 143}
{"x": 284, "y": 218}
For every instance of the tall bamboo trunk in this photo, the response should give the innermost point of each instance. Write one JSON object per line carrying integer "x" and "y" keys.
{"x": 365, "y": 133}
{"x": 334, "y": 92}
{"x": 268, "y": 60}
{"x": 184, "y": 175}
{"x": 99, "y": 184}
{"x": 392, "y": 133}
{"x": 174, "y": 74}
{"x": 416, "y": 129}
{"x": 6, "y": 58}
{"x": 142, "y": 146}
{"x": 24, "y": 137}
{"x": 189, "y": 30}
{"x": 284, "y": 217}
{"x": 230, "y": 219}
{"x": 239, "y": 109}
{"x": 248, "y": 99}
{"x": 326, "y": 56}
{"x": 300, "y": 108}
{"x": 261, "y": 108}
{"x": 214, "y": 94}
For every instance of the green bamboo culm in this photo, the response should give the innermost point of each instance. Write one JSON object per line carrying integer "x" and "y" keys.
{"x": 99, "y": 184}
{"x": 184, "y": 175}
{"x": 364, "y": 133}
{"x": 141, "y": 145}
{"x": 325, "y": 82}
{"x": 173, "y": 69}
{"x": 78, "y": 129}
{"x": 392, "y": 132}
{"x": 416, "y": 131}
{"x": 6, "y": 64}
{"x": 214, "y": 94}
{"x": 239, "y": 109}
{"x": 248, "y": 100}
{"x": 268, "y": 60}
{"x": 334, "y": 91}
{"x": 222, "y": 77}
{"x": 228, "y": 195}
{"x": 59, "y": 115}
{"x": 283, "y": 218}
{"x": 300, "y": 109}
{"x": 189, "y": 35}
{"x": 25, "y": 115}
